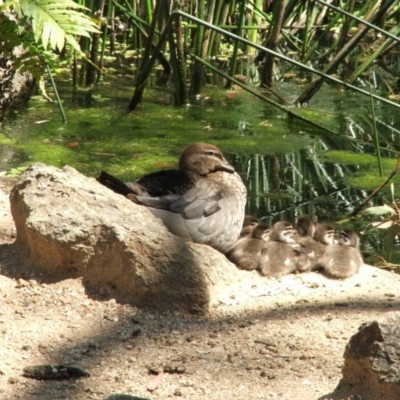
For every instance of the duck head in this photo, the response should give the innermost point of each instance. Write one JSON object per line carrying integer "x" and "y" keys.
{"x": 304, "y": 226}
{"x": 203, "y": 159}
{"x": 249, "y": 223}
{"x": 325, "y": 234}
{"x": 349, "y": 238}
{"x": 283, "y": 231}
{"x": 262, "y": 232}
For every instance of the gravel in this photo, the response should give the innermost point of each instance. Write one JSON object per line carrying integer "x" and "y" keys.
{"x": 263, "y": 338}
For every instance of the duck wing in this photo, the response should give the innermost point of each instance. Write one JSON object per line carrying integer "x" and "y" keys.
{"x": 161, "y": 183}
{"x": 156, "y": 184}
{"x": 200, "y": 201}
{"x": 209, "y": 213}
{"x": 120, "y": 187}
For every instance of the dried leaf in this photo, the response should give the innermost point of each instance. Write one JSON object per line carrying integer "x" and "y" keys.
{"x": 96, "y": 153}
{"x": 382, "y": 224}
{"x": 163, "y": 165}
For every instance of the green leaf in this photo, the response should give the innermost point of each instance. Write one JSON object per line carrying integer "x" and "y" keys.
{"x": 14, "y": 172}
{"x": 55, "y": 22}
{"x": 379, "y": 210}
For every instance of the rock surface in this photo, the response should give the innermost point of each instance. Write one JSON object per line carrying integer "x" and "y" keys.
{"x": 69, "y": 226}
{"x": 372, "y": 360}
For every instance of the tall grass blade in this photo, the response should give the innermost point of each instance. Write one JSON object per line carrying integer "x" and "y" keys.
{"x": 232, "y": 69}
{"x": 375, "y": 131}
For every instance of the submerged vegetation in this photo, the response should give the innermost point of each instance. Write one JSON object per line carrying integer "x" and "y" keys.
{"x": 294, "y": 139}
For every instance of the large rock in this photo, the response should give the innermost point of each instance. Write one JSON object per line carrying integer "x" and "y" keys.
{"x": 69, "y": 225}
{"x": 372, "y": 360}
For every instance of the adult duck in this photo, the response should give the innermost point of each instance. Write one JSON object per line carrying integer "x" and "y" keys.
{"x": 203, "y": 201}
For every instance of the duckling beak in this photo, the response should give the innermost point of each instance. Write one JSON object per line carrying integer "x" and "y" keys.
{"x": 335, "y": 238}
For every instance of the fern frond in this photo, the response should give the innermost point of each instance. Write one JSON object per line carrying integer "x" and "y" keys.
{"x": 54, "y": 22}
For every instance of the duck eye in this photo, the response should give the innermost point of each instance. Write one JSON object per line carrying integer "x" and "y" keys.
{"x": 210, "y": 152}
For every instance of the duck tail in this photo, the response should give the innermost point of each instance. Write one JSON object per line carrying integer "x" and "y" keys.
{"x": 114, "y": 184}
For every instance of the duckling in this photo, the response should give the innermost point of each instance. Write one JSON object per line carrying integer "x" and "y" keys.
{"x": 246, "y": 252}
{"x": 203, "y": 201}
{"x": 324, "y": 233}
{"x": 312, "y": 243}
{"x": 278, "y": 255}
{"x": 343, "y": 259}
{"x": 305, "y": 227}
{"x": 249, "y": 223}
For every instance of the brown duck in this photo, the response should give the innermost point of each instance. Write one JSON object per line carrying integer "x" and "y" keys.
{"x": 203, "y": 201}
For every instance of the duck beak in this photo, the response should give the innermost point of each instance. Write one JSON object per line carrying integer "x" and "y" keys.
{"x": 225, "y": 166}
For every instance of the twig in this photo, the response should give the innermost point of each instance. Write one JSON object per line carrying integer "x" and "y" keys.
{"x": 378, "y": 189}
{"x": 275, "y": 94}
{"x": 265, "y": 342}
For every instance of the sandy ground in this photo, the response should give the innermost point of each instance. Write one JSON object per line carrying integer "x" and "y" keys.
{"x": 263, "y": 339}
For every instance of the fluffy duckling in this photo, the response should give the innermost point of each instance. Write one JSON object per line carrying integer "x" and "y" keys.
{"x": 278, "y": 255}
{"x": 305, "y": 227}
{"x": 247, "y": 251}
{"x": 249, "y": 223}
{"x": 312, "y": 243}
{"x": 343, "y": 259}
{"x": 203, "y": 201}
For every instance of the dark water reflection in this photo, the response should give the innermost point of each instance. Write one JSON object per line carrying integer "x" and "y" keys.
{"x": 289, "y": 185}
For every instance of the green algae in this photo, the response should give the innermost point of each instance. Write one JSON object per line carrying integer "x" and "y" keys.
{"x": 102, "y": 137}
{"x": 366, "y": 175}
{"x": 350, "y": 158}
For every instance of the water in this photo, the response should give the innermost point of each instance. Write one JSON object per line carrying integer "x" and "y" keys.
{"x": 289, "y": 167}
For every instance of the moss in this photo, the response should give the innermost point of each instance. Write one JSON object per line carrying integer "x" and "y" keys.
{"x": 130, "y": 145}
{"x": 5, "y": 140}
{"x": 366, "y": 173}
{"x": 362, "y": 160}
